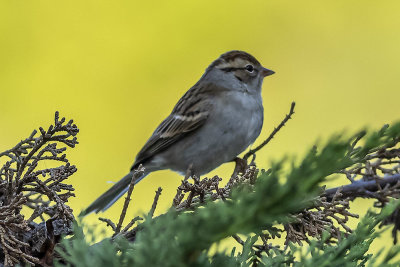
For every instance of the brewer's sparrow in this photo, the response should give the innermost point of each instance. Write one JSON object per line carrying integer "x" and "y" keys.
{"x": 216, "y": 120}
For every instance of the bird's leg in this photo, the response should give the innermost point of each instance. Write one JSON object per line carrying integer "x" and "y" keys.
{"x": 189, "y": 172}
{"x": 240, "y": 166}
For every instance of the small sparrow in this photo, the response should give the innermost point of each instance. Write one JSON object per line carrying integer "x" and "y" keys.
{"x": 216, "y": 120}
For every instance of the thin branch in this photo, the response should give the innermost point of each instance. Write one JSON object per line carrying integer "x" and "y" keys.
{"x": 288, "y": 117}
{"x": 136, "y": 174}
{"x": 359, "y": 188}
{"x": 131, "y": 223}
{"x": 108, "y": 222}
{"x": 155, "y": 201}
{"x": 238, "y": 239}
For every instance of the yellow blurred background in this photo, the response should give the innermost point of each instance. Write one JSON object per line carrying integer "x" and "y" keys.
{"x": 118, "y": 67}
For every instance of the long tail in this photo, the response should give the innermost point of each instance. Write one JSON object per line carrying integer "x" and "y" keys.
{"x": 106, "y": 200}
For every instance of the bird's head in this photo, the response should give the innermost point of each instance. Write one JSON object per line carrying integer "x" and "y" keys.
{"x": 237, "y": 69}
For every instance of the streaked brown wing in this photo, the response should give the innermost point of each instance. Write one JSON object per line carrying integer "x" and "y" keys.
{"x": 185, "y": 118}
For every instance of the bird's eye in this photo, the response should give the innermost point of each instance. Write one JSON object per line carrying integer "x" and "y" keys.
{"x": 249, "y": 68}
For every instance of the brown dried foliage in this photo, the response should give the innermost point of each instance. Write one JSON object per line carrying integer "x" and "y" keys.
{"x": 43, "y": 191}
{"x": 330, "y": 216}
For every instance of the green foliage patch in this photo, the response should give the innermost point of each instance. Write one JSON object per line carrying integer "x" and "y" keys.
{"x": 185, "y": 238}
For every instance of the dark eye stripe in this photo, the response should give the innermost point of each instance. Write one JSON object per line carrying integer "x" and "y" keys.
{"x": 232, "y": 69}
{"x": 229, "y": 69}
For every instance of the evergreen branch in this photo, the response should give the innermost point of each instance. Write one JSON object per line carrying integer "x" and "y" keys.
{"x": 363, "y": 188}
{"x": 258, "y": 206}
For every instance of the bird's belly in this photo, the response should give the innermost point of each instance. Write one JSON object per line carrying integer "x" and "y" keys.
{"x": 228, "y": 132}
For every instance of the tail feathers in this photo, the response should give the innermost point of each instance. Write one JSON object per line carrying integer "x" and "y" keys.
{"x": 107, "y": 199}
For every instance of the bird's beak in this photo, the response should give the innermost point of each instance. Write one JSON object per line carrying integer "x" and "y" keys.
{"x": 266, "y": 72}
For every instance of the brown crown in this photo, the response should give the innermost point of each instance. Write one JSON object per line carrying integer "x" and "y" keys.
{"x": 232, "y": 56}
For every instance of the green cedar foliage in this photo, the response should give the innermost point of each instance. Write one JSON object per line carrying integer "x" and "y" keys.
{"x": 185, "y": 238}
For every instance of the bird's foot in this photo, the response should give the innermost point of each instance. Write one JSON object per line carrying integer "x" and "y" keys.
{"x": 240, "y": 166}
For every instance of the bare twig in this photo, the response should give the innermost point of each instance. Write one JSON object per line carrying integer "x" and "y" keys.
{"x": 238, "y": 239}
{"x": 274, "y": 132}
{"x": 131, "y": 223}
{"x": 108, "y": 222}
{"x": 360, "y": 188}
{"x": 136, "y": 174}
{"x": 155, "y": 201}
